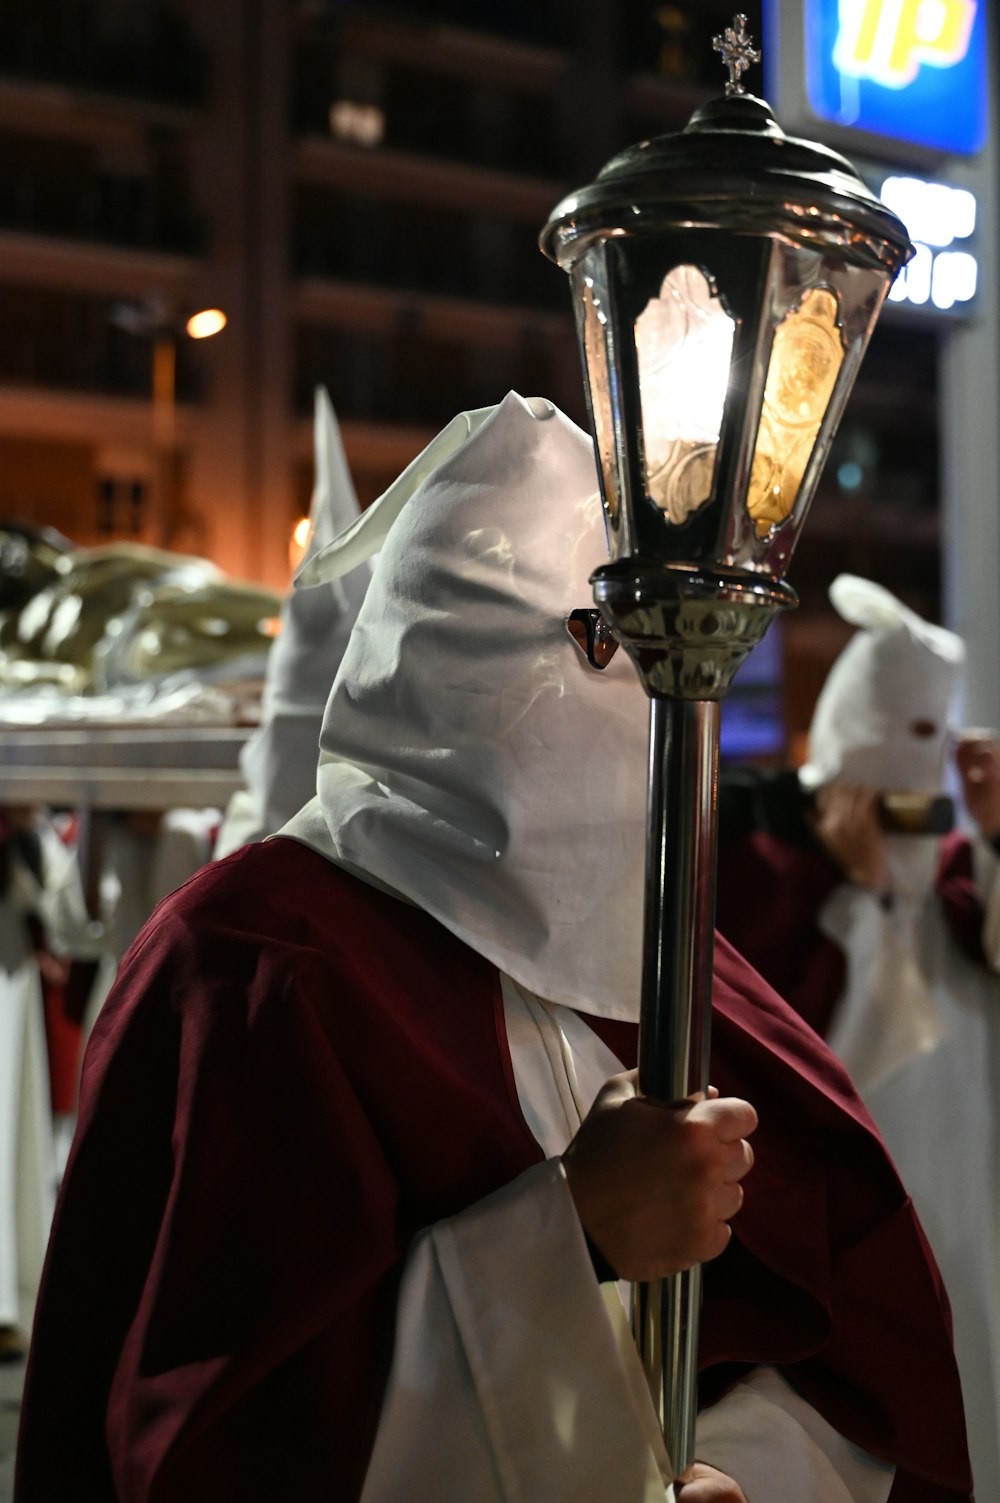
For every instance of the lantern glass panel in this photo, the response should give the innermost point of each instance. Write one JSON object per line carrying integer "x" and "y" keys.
{"x": 684, "y": 345}
{"x": 806, "y": 358}
{"x": 593, "y": 316}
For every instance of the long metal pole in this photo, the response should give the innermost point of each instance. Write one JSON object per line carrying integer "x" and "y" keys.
{"x": 675, "y": 1020}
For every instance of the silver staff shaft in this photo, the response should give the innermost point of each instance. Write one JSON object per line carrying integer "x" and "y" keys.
{"x": 681, "y": 840}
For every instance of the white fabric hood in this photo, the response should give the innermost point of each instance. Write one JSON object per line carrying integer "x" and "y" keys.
{"x": 471, "y": 758}
{"x": 896, "y": 671}
{"x": 279, "y": 760}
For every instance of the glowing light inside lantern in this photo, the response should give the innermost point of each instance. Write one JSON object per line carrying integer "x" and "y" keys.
{"x": 684, "y": 341}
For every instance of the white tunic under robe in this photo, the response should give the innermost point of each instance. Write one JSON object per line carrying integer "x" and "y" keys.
{"x": 465, "y": 1416}
{"x": 918, "y": 1026}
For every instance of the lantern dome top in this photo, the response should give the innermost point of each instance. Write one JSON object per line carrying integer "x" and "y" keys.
{"x": 732, "y": 167}
{"x": 738, "y": 134}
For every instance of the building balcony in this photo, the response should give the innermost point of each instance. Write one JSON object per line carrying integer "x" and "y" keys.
{"x": 48, "y": 414}
{"x": 118, "y": 215}
{"x": 148, "y": 55}
{"x": 89, "y": 267}
{"x": 389, "y": 354}
{"x": 414, "y": 178}
{"x": 381, "y": 310}
{"x": 33, "y": 107}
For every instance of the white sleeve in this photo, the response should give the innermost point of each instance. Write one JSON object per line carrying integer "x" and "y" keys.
{"x": 776, "y": 1446}
{"x": 509, "y": 1382}
{"x": 514, "y": 1380}
{"x": 69, "y": 927}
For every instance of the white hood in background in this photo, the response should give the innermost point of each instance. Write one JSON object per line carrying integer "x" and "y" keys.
{"x": 279, "y": 760}
{"x": 895, "y": 671}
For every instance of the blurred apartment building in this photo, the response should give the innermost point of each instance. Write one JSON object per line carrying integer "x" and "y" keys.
{"x": 359, "y": 187}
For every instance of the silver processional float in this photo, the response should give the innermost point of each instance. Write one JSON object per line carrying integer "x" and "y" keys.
{"x": 726, "y": 281}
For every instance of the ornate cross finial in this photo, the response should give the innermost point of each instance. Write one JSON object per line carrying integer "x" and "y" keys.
{"x": 737, "y": 51}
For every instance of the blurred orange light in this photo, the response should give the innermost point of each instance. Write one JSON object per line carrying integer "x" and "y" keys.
{"x": 204, "y": 324}
{"x": 299, "y": 542}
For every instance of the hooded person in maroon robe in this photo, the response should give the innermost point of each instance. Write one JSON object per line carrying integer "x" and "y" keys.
{"x": 888, "y": 941}
{"x": 348, "y": 1196}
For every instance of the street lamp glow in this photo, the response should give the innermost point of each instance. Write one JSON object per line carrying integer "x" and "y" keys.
{"x": 205, "y": 323}
{"x": 299, "y": 542}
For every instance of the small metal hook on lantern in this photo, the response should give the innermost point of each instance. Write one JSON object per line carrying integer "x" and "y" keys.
{"x": 592, "y": 635}
{"x": 726, "y": 281}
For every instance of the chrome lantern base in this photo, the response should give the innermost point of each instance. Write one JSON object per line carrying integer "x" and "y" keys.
{"x": 687, "y": 628}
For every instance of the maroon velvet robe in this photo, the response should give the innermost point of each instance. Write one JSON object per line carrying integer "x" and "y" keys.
{"x": 770, "y": 893}
{"x": 295, "y": 1073}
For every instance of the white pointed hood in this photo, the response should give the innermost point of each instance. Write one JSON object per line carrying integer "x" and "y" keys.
{"x": 895, "y": 672}
{"x": 471, "y": 758}
{"x": 279, "y": 760}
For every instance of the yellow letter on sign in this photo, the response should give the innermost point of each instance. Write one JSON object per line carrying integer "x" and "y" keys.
{"x": 887, "y": 40}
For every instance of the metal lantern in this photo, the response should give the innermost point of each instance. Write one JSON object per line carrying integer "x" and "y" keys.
{"x": 726, "y": 281}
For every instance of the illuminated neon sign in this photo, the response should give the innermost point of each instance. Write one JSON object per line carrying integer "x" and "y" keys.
{"x": 912, "y": 70}
{"x": 941, "y": 222}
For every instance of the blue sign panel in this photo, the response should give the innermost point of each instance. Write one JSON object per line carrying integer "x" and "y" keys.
{"x": 912, "y": 70}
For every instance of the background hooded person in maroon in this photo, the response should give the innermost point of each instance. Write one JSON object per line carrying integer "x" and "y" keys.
{"x": 323, "y": 1230}
{"x": 889, "y": 943}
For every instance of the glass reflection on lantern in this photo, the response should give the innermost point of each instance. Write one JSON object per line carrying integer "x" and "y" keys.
{"x": 594, "y": 329}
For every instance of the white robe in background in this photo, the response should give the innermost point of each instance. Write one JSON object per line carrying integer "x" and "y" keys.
{"x": 136, "y": 872}
{"x": 918, "y": 1027}
{"x": 27, "y": 1159}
